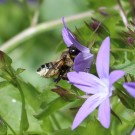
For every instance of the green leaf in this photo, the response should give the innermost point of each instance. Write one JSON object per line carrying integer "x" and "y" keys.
{"x": 31, "y": 95}
{"x": 95, "y": 128}
{"x": 116, "y": 116}
{"x": 10, "y": 108}
{"x": 5, "y": 66}
{"x": 128, "y": 67}
{"x": 3, "y": 84}
{"x": 51, "y": 108}
{"x": 5, "y": 75}
{"x": 3, "y": 128}
{"x": 5, "y": 60}
{"x": 19, "y": 70}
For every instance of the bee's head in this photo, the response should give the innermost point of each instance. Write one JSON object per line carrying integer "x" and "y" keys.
{"x": 73, "y": 51}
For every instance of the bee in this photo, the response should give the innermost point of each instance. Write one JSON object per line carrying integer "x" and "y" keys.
{"x": 60, "y": 67}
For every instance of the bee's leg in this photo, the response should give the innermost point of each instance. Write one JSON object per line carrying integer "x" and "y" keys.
{"x": 60, "y": 76}
{"x": 57, "y": 79}
{"x": 64, "y": 76}
{"x": 63, "y": 73}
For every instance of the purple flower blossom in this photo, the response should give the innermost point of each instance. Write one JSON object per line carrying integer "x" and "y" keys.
{"x": 100, "y": 88}
{"x": 133, "y": 132}
{"x": 130, "y": 87}
{"x": 84, "y": 59}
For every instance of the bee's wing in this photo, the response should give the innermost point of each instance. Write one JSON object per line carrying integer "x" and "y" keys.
{"x": 54, "y": 70}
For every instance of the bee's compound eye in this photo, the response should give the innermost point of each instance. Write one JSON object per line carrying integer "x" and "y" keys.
{"x": 73, "y": 50}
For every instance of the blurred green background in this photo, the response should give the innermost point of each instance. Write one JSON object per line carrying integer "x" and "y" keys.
{"x": 17, "y": 16}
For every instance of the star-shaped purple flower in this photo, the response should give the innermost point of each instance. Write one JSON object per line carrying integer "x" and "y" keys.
{"x": 84, "y": 59}
{"x": 100, "y": 88}
{"x": 130, "y": 87}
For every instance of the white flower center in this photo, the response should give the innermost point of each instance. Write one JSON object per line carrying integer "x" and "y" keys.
{"x": 105, "y": 92}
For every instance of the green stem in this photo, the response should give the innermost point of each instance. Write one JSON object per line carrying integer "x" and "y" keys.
{"x": 32, "y": 31}
{"x": 26, "y": 10}
{"x": 23, "y": 107}
{"x": 122, "y": 13}
{"x": 23, "y": 111}
{"x": 8, "y": 126}
{"x": 35, "y": 17}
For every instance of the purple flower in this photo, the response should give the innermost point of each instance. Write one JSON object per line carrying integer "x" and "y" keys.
{"x": 133, "y": 132}
{"x": 100, "y": 88}
{"x": 130, "y": 87}
{"x": 84, "y": 59}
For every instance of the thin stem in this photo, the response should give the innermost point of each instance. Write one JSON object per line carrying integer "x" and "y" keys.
{"x": 36, "y": 14}
{"x": 8, "y": 126}
{"x": 30, "y": 32}
{"x": 26, "y": 9}
{"x": 23, "y": 111}
{"x": 35, "y": 18}
{"x": 23, "y": 108}
{"x": 122, "y": 13}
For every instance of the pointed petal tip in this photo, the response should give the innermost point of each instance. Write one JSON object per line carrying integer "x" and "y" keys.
{"x": 106, "y": 42}
{"x": 63, "y": 21}
{"x": 116, "y": 75}
{"x": 104, "y": 113}
{"x": 73, "y": 127}
{"x": 106, "y": 126}
{"x": 121, "y": 73}
{"x": 107, "y": 39}
{"x": 103, "y": 59}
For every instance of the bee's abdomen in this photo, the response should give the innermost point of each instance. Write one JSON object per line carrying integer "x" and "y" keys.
{"x": 47, "y": 70}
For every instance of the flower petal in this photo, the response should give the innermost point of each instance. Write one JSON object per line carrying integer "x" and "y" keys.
{"x": 89, "y": 106}
{"x": 116, "y": 75}
{"x": 66, "y": 38}
{"x": 69, "y": 38}
{"x": 130, "y": 87}
{"x": 103, "y": 59}
{"x": 83, "y": 62}
{"x": 104, "y": 113}
{"x": 133, "y": 132}
{"x": 86, "y": 82}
